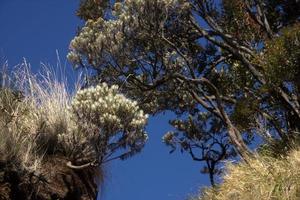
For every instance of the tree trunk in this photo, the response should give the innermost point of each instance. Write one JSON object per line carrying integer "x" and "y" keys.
{"x": 238, "y": 142}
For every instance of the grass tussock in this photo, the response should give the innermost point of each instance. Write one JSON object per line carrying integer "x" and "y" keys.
{"x": 34, "y": 111}
{"x": 264, "y": 178}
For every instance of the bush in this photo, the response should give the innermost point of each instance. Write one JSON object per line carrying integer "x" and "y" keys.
{"x": 48, "y": 134}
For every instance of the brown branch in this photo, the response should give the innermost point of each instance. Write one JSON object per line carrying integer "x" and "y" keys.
{"x": 193, "y": 155}
{"x": 79, "y": 167}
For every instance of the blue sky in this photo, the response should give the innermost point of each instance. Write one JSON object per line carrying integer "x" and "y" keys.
{"x": 35, "y": 29}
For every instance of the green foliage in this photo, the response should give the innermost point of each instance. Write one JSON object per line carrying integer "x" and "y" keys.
{"x": 281, "y": 57}
{"x": 92, "y": 9}
{"x": 238, "y": 22}
{"x": 244, "y": 113}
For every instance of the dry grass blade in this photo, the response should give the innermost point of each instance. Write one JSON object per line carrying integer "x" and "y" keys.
{"x": 32, "y": 120}
{"x": 264, "y": 178}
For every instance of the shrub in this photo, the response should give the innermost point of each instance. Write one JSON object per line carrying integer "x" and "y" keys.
{"x": 48, "y": 134}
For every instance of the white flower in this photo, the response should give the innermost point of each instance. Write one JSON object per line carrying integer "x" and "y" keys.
{"x": 105, "y": 108}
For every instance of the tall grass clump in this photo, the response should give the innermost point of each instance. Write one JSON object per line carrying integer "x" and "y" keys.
{"x": 265, "y": 178}
{"x": 34, "y": 110}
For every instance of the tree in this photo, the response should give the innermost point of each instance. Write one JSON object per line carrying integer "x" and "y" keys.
{"x": 53, "y": 145}
{"x": 204, "y": 142}
{"x": 222, "y": 59}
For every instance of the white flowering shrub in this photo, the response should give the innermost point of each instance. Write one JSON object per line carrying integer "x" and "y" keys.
{"x": 100, "y": 37}
{"x": 105, "y": 107}
{"x": 116, "y": 119}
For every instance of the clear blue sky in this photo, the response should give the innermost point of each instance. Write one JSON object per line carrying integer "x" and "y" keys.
{"x": 35, "y": 29}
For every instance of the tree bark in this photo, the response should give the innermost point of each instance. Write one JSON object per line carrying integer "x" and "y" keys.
{"x": 238, "y": 143}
